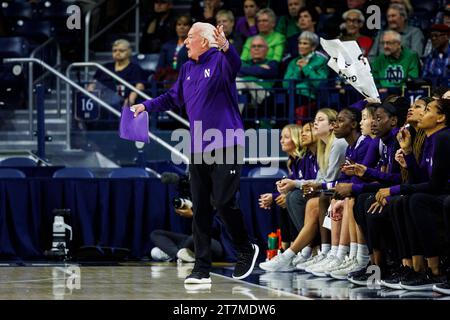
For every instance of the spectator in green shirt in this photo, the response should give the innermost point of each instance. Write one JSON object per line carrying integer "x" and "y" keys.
{"x": 396, "y": 64}
{"x": 310, "y": 67}
{"x": 287, "y": 25}
{"x": 265, "y": 20}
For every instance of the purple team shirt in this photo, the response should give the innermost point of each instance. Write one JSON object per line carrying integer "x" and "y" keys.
{"x": 304, "y": 168}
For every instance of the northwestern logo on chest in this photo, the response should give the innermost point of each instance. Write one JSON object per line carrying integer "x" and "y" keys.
{"x": 207, "y": 73}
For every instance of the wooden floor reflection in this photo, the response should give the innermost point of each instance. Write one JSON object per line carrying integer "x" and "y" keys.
{"x": 164, "y": 281}
{"x": 143, "y": 281}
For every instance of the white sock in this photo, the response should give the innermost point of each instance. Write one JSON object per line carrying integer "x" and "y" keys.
{"x": 333, "y": 250}
{"x": 342, "y": 252}
{"x": 325, "y": 248}
{"x": 353, "y": 249}
{"x": 306, "y": 252}
{"x": 362, "y": 257}
{"x": 289, "y": 253}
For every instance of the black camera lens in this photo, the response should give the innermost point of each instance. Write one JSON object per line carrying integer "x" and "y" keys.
{"x": 177, "y": 203}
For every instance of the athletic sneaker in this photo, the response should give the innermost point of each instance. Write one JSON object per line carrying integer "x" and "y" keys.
{"x": 299, "y": 258}
{"x": 422, "y": 281}
{"x": 358, "y": 272}
{"x": 348, "y": 266}
{"x": 324, "y": 270}
{"x": 443, "y": 288}
{"x": 320, "y": 264}
{"x": 393, "y": 279}
{"x": 197, "y": 287}
{"x": 159, "y": 255}
{"x": 245, "y": 262}
{"x": 312, "y": 260}
{"x": 186, "y": 255}
{"x": 278, "y": 263}
{"x": 198, "y": 277}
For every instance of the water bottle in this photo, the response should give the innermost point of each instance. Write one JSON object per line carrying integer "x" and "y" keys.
{"x": 272, "y": 248}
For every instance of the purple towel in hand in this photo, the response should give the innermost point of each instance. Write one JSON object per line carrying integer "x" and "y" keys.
{"x": 134, "y": 129}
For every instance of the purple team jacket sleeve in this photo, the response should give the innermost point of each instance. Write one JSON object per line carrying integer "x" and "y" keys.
{"x": 394, "y": 178}
{"x": 415, "y": 173}
{"x": 395, "y": 190}
{"x": 234, "y": 62}
{"x": 170, "y": 100}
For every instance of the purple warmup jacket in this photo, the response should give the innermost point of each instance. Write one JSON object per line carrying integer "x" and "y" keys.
{"x": 422, "y": 171}
{"x": 207, "y": 89}
{"x": 387, "y": 159}
{"x": 305, "y": 168}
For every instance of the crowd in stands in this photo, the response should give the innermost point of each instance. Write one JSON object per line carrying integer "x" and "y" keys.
{"x": 278, "y": 46}
{"x": 412, "y": 43}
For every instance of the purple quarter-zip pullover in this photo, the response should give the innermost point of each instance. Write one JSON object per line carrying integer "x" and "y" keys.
{"x": 387, "y": 160}
{"x": 426, "y": 165}
{"x": 207, "y": 89}
{"x": 302, "y": 169}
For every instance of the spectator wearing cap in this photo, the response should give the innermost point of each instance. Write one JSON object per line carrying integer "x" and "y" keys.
{"x": 354, "y": 20}
{"x": 437, "y": 62}
{"x": 412, "y": 37}
{"x": 266, "y": 20}
{"x": 444, "y": 18}
{"x": 398, "y": 63}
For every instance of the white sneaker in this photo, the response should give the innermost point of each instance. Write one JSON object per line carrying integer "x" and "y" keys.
{"x": 159, "y": 255}
{"x": 337, "y": 266}
{"x": 299, "y": 258}
{"x": 278, "y": 263}
{"x": 322, "y": 269}
{"x": 325, "y": 269}
{"x": 186, "y": 255}
{"x": 349, "y": 265}
{"x": 319, "y": 264}
{"x": 312, "y": 260}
